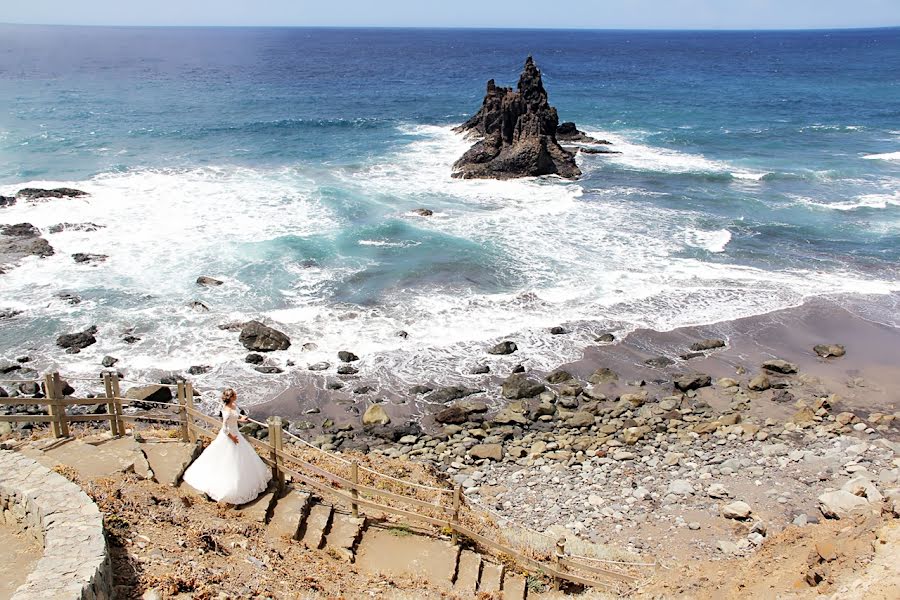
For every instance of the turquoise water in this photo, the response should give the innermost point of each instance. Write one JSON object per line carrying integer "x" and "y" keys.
{"x": 757, "y": 169}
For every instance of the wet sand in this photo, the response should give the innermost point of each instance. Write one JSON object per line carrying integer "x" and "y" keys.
{"x": 865, "y": 380}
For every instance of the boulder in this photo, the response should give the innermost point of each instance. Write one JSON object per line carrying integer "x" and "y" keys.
{"x": 268, "y": 369}
{"x": 450, "y": 393}
{"x": 81, "y": 257}
{"x": 829, "y": 350}
{"x": 760, "y": 383}
{"x": 603, "y": 375}
{"x": 568, "y": 132}
{"x": 680, "y": 487}
{"x": 605, "y": 338}
{"x": 6, "y": 201}
{"x": 254, "y": 358}
{"x": 518, "y": 134}
{"x": 704, "y": 345}
{"x": 518, "y": 386}
{"x": 503, "y": 348}
{"x": 208, "y": 281}
{"x": 634, "y": 399}
{"x": 510, "y": 417}
{"x": 559, "y": 376}
{"x": 487, "y": 451}
{"x": 142, "y": 396}
{"x": 692, "y": 382}
{"x": 780, "y": 366}
{"x": 840, "y": 504}
{"x": 659, "y": 362}
{"x": 558, "y": 331}
{"x": 60, "y": 227}
{"x": 452, "y": 415}
{"x": 632, "y": 435}
{"x": 109, "y": 361}
{"x": 79, "y": 340}
{"x": 345, "y": 356}
{"x": 347, "y": 370}
{"x": 424, "y": 212}
{"x": 9, "y": 313}
{"x": 480, "y": 370}
{"x": 375, "y": 415}
{"x": 199, "y": 369}
{"x": 261, "y": 338}
{"x": 736, "y": 510}
{"x": 580, "y": 419}
{"x": 198, "y": 306}
{"x": 718, "y": 491}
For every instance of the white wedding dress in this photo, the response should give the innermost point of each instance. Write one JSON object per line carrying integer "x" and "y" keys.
{"x": 229, "y": 472}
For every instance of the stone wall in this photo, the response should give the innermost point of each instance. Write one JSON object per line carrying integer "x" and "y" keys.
{"x": 65, "y": 521}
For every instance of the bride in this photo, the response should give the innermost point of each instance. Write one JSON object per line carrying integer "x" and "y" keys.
{"x": 229, "y": 470}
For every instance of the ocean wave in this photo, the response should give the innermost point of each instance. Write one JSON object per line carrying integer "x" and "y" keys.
{"x": 883, "y": 156}
{"x": 865, "y": 201}
{"x": 641, "y": 157}
{"x": 389, "y": 244}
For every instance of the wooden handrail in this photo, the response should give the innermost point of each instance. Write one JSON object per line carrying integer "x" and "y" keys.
{"x": 346, "y": 490}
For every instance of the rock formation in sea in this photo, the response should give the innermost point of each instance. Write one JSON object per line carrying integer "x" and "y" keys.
{"x": 518, "y": 131}
{"x": 19, "y": 241}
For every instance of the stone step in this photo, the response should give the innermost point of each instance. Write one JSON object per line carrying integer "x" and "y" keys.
{"x": 344, "y": 534}
{"x": 491, "y": 577}
{"x": 514, "y": 587}
{"x": 289, "y": 513}
{"x": 314, "y": 528}
{"x": 169, "y": 460}
{"x": 260, "y": 510}
{"x": 398, "y": 552}
{"x": 467, "y": 573}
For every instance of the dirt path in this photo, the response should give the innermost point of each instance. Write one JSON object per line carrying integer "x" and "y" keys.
{"x": 19, "y": 553}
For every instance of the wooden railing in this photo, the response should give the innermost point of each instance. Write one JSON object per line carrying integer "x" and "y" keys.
{"x": 445, "y": 511}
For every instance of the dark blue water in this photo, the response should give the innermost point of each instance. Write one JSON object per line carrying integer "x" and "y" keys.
{"x": 757, "y": 169}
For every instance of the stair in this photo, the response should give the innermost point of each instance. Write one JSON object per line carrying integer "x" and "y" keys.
{"x": 169, "y": 460}
{"x": 260, "y": 510}
{"x": 491, "y": 578}
{"x": 316, "y": 526}
{"x": 514, "y": 587}
{"x": 467, "y": 573}
{"x": 344, "y": 534}
{"x": 398, "y": 552}
{"x": 289, "y": 513}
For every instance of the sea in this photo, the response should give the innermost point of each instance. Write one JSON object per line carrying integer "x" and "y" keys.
{"x": 756, "y": 170}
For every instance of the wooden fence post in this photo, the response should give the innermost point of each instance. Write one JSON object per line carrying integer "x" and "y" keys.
{"x": 117, "y": 403}
{"x": 60, "y": 407}
{"x": 557, "y": 556}
{"x": 275, "y": 443}
{"x": 189, "y": 406}
{"x": 111, "y": 406}
{"x": 52, "y": 407}
{"x": 457, "y": 501}
{"x": 354, "y": 477}
{"x": 182, "y": 413}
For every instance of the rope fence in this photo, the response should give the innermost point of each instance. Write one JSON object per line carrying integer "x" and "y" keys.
{"x": 351, "y": 482}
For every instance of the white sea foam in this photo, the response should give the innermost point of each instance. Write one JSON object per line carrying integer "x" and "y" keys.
{"x": 883, "y": 156}
{"x": 877, "y": 201}
{"x": 713, "y": 241}
{"x": 590, "y": 260}
{"x": 642, "y": 157}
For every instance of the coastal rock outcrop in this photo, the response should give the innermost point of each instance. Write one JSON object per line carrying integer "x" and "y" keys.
{"x": 38, "y": 193}
{"x": 518, "y": 130}
{"x": 74, "y": 342}
{"x": 19, "y": 241}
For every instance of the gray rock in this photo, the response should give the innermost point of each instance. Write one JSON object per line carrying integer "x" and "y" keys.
{"x": 450, "y": 393}
{"x": 78, "y": 340}
{"x": 829, "y": 350}
{"x": 503, "y": 348}
{"x": 659, "y": 362}
{"x": 736, "y": 510}
{"x": 840, "y": 504}
{"x": 109, "y": 361}
{"x": 760, "y": 383}
{"x": 208, "y": 281}
{"x": 559, "y": 376}
{"x": 603, "y": 375}
{"x": 680, "y": 487}
{"x": 345, "y": 356}
{"x": 581, "y": 419}
{"x": 709, "y": 344}
{"x": 487, "y": 451}
{"x": 692, "y": 382}
{"x": 780, "y": 366}
{"x": 261, "y": 338}
{"x": 375, "y": 415}
{"x": 518, "y": 386}
{"x": 605, "y": 338}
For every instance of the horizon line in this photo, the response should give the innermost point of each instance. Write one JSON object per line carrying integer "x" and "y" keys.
{"x": 459, "y": 27}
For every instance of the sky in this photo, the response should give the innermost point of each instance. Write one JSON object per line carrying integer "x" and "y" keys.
{"x": 591, "y": 14}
